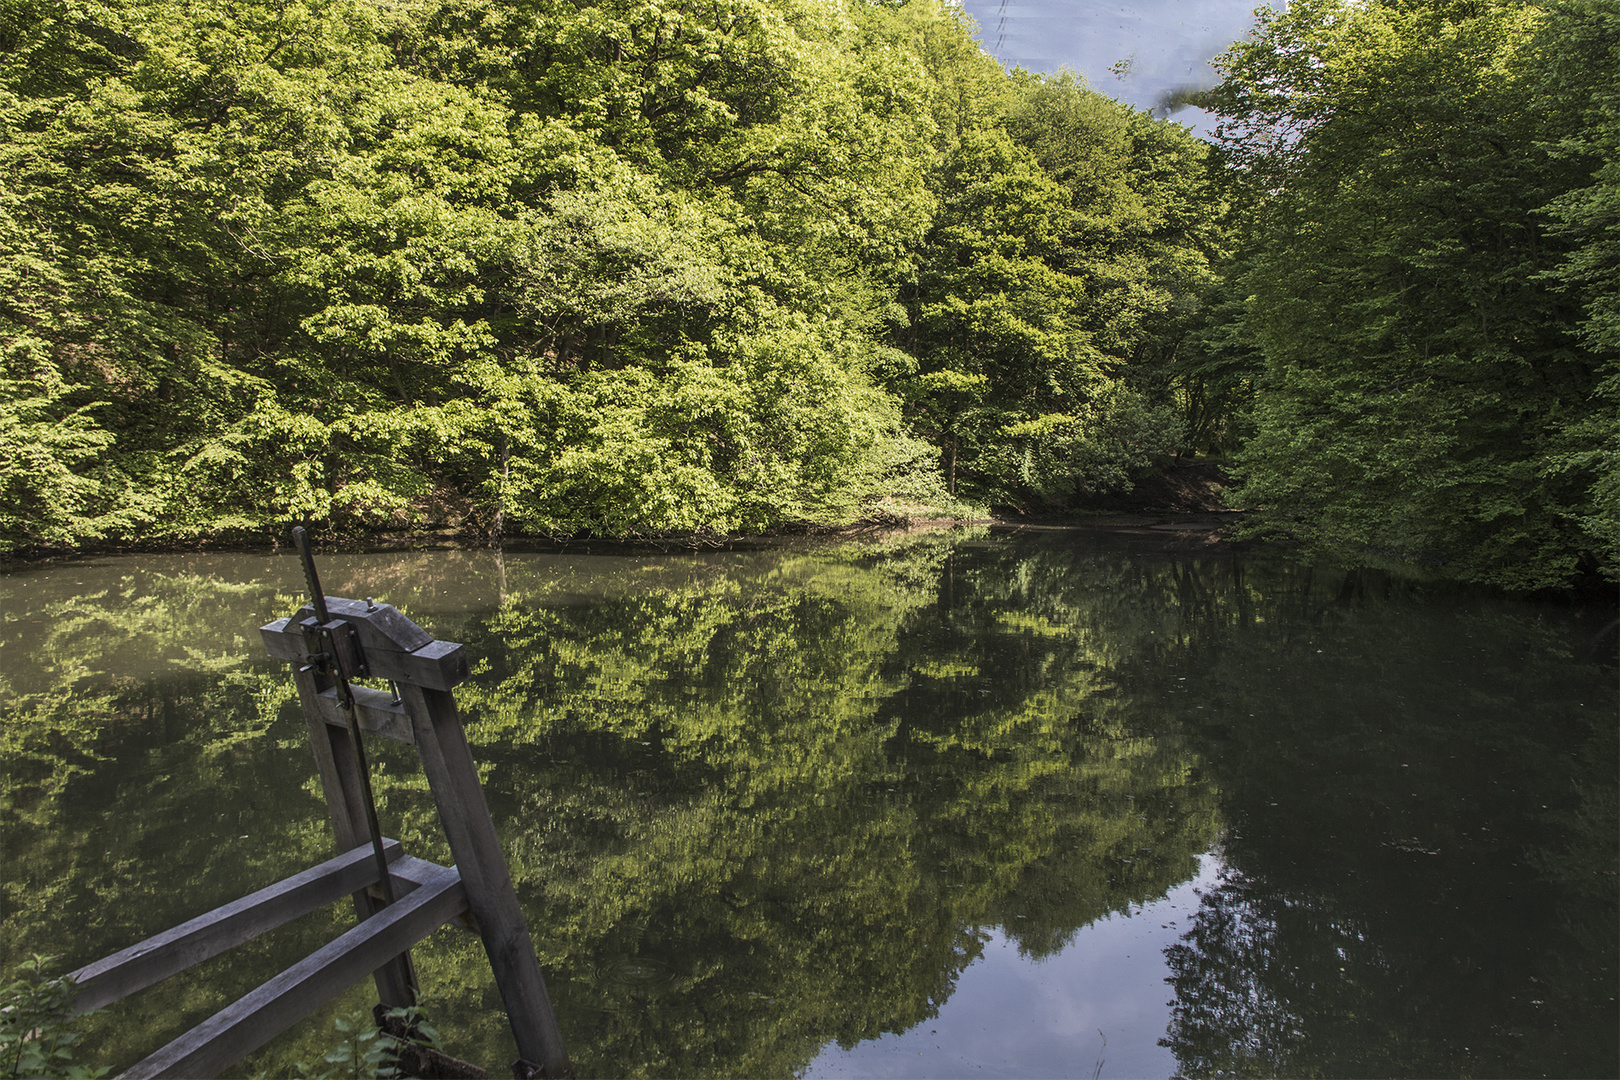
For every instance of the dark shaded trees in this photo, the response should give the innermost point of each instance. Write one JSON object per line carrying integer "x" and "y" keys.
{"x": 1415, "y": 280}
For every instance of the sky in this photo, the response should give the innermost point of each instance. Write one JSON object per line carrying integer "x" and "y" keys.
{"x": 1169, "y": 43}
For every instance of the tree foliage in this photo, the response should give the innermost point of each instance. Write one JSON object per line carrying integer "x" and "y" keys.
{"x": 1425, "y": 281}
{"x": 627, "y": 268}
{"x": 1074, "y": 236}
{"x": 334, "y": 261}
{"x": 617, "y": 267}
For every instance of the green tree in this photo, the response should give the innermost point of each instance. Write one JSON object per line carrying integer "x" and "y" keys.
{"x": 1575, "y": 53}
{"x": 1422, "y": 375}
{"x": 605, "y": 267}
{"x": 1071, "y": 246}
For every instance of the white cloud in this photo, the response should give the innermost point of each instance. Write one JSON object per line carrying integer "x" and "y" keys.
{"x": 1169, "y": 42}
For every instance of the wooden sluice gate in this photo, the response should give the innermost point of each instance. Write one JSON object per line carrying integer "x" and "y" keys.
{"x": 398, "y": 899}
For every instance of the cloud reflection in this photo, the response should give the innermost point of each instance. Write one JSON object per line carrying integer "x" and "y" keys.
{"x": 1011, "y": 1016}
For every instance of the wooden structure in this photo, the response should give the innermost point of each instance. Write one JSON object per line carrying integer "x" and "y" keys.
{"x": 372, "y": 641}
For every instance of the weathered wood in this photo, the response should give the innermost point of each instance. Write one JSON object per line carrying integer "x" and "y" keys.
{"x": 244, "y": 1026}
{"x": 396, "y": 980}
{"x": 425, "y": 672}
{"x": 155, "y": 959}
{"x": 441, "y": 665}
{"x": 453, "y": 779}
{"x": 408, "y": 872}
{"x": 381, "y": 626}
{"x": 339, "y": 772}
{"x": 309, "y": 686}
{"x": 376, "y": 711}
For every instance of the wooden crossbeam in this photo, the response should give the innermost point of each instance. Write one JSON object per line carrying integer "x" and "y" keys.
{"x": 155, "y": 959}
{"x": 409, "y": 872}
{"x": 242, "y": 1027}
{"x": 438, "y": 665}
{"x": 376, "y": 711}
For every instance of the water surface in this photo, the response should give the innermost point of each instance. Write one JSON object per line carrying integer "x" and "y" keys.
{"x": 966, "y": 803}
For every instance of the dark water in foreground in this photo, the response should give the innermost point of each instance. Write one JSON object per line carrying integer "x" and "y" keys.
{"x": 958, "y": 804}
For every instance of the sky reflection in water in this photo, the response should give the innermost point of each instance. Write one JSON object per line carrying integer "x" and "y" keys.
{"x": 759, "y": 804}
{"x": 1097, "y": 1008}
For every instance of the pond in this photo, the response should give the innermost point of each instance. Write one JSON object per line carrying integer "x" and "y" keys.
{"x": 1074, "y": 802}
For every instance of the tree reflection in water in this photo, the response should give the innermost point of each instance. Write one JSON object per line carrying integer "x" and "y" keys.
{"x": 757, "y": 801}
{"x": 1418, "y": 786}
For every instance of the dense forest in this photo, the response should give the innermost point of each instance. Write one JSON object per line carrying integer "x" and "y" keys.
{"x": 635, "y": 267}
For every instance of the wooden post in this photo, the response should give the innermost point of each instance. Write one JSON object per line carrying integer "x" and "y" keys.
{"x": 453, "y": 778}
{"x": 340, "y": 780}
{"x": 424, "y": 671}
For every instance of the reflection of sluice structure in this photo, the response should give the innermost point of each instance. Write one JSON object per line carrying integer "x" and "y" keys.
{"x": 399, "y": 899}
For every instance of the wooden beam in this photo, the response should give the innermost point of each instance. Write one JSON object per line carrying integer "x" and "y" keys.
{"x": 439, "y": 665}
{"x": 376, "y": 711}
{"x": 409, "y": 872}
{"x": 310, "y": 683}
{"x": 380, "y": 626}
{"x": 242, "y": 1027}
{"x": 453, "y": 779}
{"x": 340, "y": 781}
{"x": 155, "y": 959}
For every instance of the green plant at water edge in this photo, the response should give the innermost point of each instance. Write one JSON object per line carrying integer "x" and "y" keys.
{"x": 36, "y": 1028}
{"x": 367, "y": 1052}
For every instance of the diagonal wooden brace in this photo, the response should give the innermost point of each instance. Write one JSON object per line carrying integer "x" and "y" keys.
{"x": 155, "y": 959}
{"x": 242, "y": 1027}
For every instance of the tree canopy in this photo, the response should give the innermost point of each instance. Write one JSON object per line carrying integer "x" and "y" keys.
{"x": 625, "y": 268}
{"x": 1427, "y": 281}
{"x": 620, "y": 268}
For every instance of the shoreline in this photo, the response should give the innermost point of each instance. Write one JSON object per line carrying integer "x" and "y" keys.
{"x": 1186, "y": 499}
{"x": 1152, "y": 522}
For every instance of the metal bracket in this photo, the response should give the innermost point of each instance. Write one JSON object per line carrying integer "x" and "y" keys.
{"x": 334, "y": 648}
